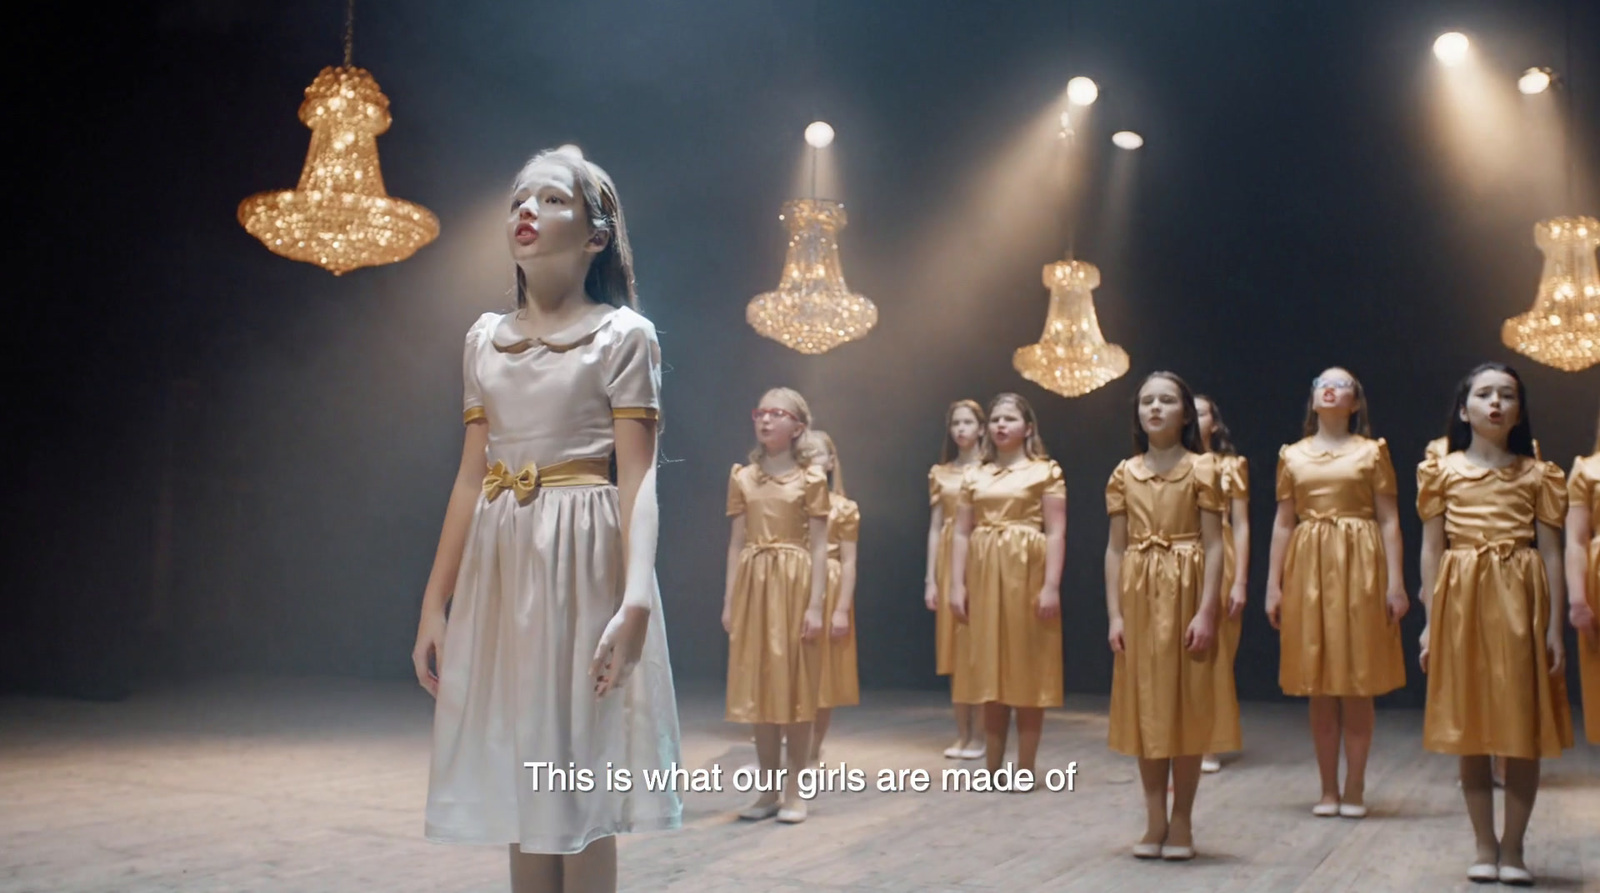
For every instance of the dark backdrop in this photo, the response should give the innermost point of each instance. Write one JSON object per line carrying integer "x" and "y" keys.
{"x": 226, "y": 461}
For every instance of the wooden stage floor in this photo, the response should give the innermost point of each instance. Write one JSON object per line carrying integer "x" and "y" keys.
{"x": 317, "y": 786}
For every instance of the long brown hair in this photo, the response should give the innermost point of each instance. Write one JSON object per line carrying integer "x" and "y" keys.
{"x": 610, "y": 277}
{"x": 1221, "y": 437}
{"x": 818, "y": 443}
{"x": 1190, "y": 436}
{"x": 802, "y": 409}
{"x": 1360, "y": 420}
{"x": 950, "y": 451}
{"x": 1033, "y": 447}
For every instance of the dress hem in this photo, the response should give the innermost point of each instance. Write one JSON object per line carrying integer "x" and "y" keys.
{"x": 547, "y": 846}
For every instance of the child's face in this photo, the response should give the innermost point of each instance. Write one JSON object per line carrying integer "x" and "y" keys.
{"x": 1008, "y": 430}
{"x": 823, "y": 460}
{"x": 777, "y": 423}
{"x": 1492, "y": 408}
{"x": 1334, "y": 389}
{"x": 1203, "y": 418}
{"x": 1160, "y": 408}
{"x": 964, "y": 427}
{"x": 547, "y": 214}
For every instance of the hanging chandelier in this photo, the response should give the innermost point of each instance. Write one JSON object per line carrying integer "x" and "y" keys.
{"x": 340, "y": 217}
{"x": 1071, "y": 357}
{"x": 812, "y": 311}
{"x": 1563, "y": 328}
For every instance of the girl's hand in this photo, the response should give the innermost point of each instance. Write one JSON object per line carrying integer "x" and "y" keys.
{"x": 620, "y": 647}
{"x": 1049, "y": 605}
{"x": 958, "y": 601}
{"x": 1582, "y": 618}
{"x": 841, "y": 624}
{"x": 1422, "y": 656}
{"x": 727, "y": 619}
{"x": 1236, "y": 600}
{"x": 430, "y": 644}
{"x": 1398, "y": 602}
{"x": 1114, "y": 636}
{"x": 930, "y": 595}
{"x": 812, "y": 627}
{"x": 1556, "y": 648}
{"x": 1274, "y": 605}
{"x": 1202, "y": 631}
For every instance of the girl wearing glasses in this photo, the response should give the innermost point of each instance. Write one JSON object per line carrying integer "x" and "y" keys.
{"x": 1492, "y": 589}
{"x": 1005, "y": 581}
{"x": 963, "y": 449}
{"x": 1334, "y": 587}
{"x": 840, "y": 685}
{"x": 772, "y": 606}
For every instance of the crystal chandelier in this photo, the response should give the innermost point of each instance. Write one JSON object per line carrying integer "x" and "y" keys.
{"x": 339, "y": 217}
{"x": 812, "y": 311}
{"x": 1563, "y": 328}
{"x": 1071, "y": 358}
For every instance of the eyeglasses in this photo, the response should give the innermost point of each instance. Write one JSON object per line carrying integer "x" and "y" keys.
{"x": 759, "y": 414}
{"x": 1338, "y": 384}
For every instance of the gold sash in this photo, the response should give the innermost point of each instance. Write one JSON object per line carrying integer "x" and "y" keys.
{"x": 527, "y": 482}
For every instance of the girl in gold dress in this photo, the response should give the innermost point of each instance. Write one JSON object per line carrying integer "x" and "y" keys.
{"x": 1005, "y": 581}
{"x": 772, "y": 607}
{"x": 1583, "y": 578}
{"x": 1335, "y": 592}
{"x": 1233, "y": 474}
{"x": 840, "y": 685}
{"x": 1172, "y": 695}
{"x": 963, "y": 449}
{"x": 1492, "y": 647}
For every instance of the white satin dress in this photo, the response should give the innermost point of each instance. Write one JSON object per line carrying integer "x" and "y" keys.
{"x": 541, "y": 576}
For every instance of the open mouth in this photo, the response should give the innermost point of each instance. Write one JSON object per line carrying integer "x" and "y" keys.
{"x": 526, "y": 234}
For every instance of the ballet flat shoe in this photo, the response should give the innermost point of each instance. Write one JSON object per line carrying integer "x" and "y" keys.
{"x": 792, "y": 816}
{"x": 1352, "y": 810}
{"x": 1515, "y": 877}
{"x": 757, "y": 813}
{"x": 1177, "y": 853}
{"x": 1483, "y": 873}
{"x": 954, "y": 753}
{"x": 1325, "y": 810}
{"x": 1147, "y": 851}
{"x": 1210, "y": 765}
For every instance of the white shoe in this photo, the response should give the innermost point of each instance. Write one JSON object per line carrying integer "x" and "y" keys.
{"x": 757, "y": 812}
{"x": 1353, "y": 810}
{"x": 953, "y": 752}
{"x": 1483, "y": 873}
{"x": 1325, "y": 810}
{"x": 792, "y": 815}
{"x": 974, "y": 753}
{"x": 1210, "y": 764}
{"x": 1147, "y": 851}
{"x": 1514, "y": 877}
{"x": 1177, "y": 853}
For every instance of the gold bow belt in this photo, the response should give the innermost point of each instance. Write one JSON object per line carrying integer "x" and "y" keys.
{"x": 1310, "y": 517}
{"x": 1148, "y": 541}
{"x": 527, "y": 482}
{"x": 775, "y": 545}
{"x": 1501, "y": 549}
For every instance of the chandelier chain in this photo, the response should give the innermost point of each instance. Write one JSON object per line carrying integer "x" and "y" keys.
{"x": 349, "y": 31}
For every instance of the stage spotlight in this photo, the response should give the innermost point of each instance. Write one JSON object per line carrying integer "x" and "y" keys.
{"x": 1082, "y": 91}
{"x": 1127, "y": 139}
{"x": 1451, "y": 47}
{"x": 819, "y": 134}
{"x": 1534, "y": 80}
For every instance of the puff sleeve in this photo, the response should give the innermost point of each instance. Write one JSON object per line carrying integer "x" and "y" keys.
{"x": 1208, "y": 484}
{"x": 848, "y": 528}
{"x": 1383, "y": 478}
{"x": 736, "y": 504}
{"x": 633, "y": 370}
{"x": 817, "y": 494}
{"x": 1236, "y": 478}
{"x": 933, "y": 486}
{"x": 1285, "y": 485}
{"x": 472, "y": 408}
{"x": 1552, "y": 503}
{"x": 1117, "y": 490}
{"x": 1580, "y": 487}
{"x": 1055, "y": 483}
{"x": 1430, "y": 489}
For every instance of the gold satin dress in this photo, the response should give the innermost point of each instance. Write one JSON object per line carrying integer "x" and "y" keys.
{"x": 944, "y": 491}
{"x": 841, "y": 686}
{"x": 1489, "y": 685}
{"x": 773, "y": 675}
{"x": 1334, "y": 632}
{"x": 1583, "y": 488}
{"x": 1012, "y": 657}
{"x": 1165, "y": 701}
{"x": 1233, "y": 474}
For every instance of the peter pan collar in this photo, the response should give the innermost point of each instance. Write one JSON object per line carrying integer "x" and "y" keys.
{"x": 507, "y": 339}
{"x": 1466, "y": 468}
{"x": 1142, "y": 472}
{"x": 1355, "y": 443}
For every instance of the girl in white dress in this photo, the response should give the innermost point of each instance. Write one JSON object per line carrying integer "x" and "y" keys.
{"x": 554, "y": 656}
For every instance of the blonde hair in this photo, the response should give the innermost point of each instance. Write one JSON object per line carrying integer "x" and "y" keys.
{"x": 610, "y": 277}
{"x": 818, "y": 443}
{"x": 798, "y": 405}
{"x": 950, "y": 451}
{"x": 1033, "y": 447}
